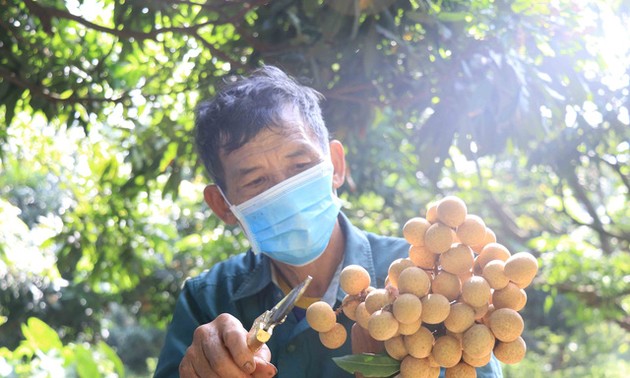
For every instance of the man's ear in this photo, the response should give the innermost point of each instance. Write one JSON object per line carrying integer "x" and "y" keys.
{"x": 218, "y": 204}
{"x": 338, "y": 157}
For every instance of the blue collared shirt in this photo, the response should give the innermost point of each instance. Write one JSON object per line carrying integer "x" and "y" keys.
{"x": 242, "y": 286}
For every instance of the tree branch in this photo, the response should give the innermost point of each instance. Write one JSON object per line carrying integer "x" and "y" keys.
{"x": 43, "y": 92}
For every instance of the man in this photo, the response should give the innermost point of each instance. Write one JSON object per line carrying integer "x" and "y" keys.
{"x": 275, "y": 172}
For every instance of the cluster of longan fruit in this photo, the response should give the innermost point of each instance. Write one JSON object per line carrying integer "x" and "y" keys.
{"x": 451, "y": 303}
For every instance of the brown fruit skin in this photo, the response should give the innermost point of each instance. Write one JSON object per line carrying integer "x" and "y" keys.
{"x": 460, "y": 318}
{"x": 354, "y": 279}
{"x": 395, "y": 348}
{"x": 396, "y": 267}
{"x": 494, "y": 273}
{"x": 472, "y": 231}
{"x": 521, "y": 268}
{"x": 506, "y": 324}
{"x": 377, "y": 299}
{"x": 349, "y": 306}
{"x": 320, "y": 316}
{"x": 461, "y": 370}
{"x": 447, "y": 284}
{"x": 459, "y": 259}
{"x": 431, "y": 215}
{"x": 512, "y": 352}
{"x": 508, "y": 297}
{"x": 435, "y": 308}
{"x": 414, "y": 230}
{"x": 447, "y": 351}
{"x": 362, "y": 315}
{"x": 414, "y": 281}
{"x": 476, "y": 361}
{"x": 420, "y": 343}
{"x": 478, "y": 340}
{"x": 382, "y": 325}
{"x": 409, "y": 329}
{"x": 476, "y": 291}
{"x": 412, "y": 367}
{"x": 492, "y": 251}
{"x": 451, "y": 211}
{"x": 438, "y": 238}
{"x": 407, "y": 308}
{"x": 490, "y": 237}
{"x": 421, "y": 257}
{"x": 334, "y": 338}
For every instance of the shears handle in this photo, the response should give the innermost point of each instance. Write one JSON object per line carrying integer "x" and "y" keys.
{"x": 257, "y": 335}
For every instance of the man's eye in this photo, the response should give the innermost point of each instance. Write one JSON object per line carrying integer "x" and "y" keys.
{"x": 255, "y": 182}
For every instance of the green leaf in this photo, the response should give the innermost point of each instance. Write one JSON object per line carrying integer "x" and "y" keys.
{"x": 111, "y": 355}
{"x": 86, "y": 366}
{"x": 370, "y": 365}
{"x": 40, "y": 335}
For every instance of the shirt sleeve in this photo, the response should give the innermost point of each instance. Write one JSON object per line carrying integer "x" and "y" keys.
{"x": 186, "y": 318}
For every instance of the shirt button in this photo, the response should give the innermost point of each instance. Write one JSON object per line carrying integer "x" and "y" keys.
{"x": 291, "y": 348}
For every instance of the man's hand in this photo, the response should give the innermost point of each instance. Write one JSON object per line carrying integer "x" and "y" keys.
{"x": 219, "y": 349}
{"x": 362, "y": 342}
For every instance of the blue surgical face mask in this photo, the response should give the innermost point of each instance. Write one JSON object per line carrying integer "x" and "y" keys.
{"x": 292, "y": 221}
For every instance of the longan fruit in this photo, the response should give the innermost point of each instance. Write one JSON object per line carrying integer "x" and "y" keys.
{"x": 415, "y": 281}
{"x": 349, "y": 306}
{"x": 465, "y": 276}
{"x": 412, "y": 367}
{"x": 508, "y": 297}
{"x": 431, "y": 215}
{"x": 377, "y": 299}
{"x": 320, "y": 316}
{"x": 451, "y": 211}
{"x": 478, "y": 340}
{"x": 522, "y": 302}
{"x": 334, "y": 338}
{"x": 396, "y": 267}
{"x": 421, "y": 257}
{"x": 420, "y": 343}
{"x": 485, "y": 319}
{"x": 521, "y": 268}
{"x": 362, "y": 315}
{"x": 438, "y": 238}
{"x": 481, "y": 311}
{"x": 512, "y": 352}
{"x": 460, "y": 318}
{"x": 395, "y": 348}
{"x": 476, "y": 291}
{"x": 492, "y": 251}
{"x": 407, "y": 308}
{"x": 447, "y": 351}
{"x": 354, "y": 279}
{"x": 489, "y": 237}
{"x": 435, "y": 308}
{"x": 472, "y": 231}
{"x": 494, "y": 273}
{"x": 476, "y": 361}
{"x": 447, "y": 284}
{"x": 461, "y": 370}
{"x": 414, "y": 230}
{"x": 459, "y": 259}
{"x": 409, "y": 328}
{"x": 506, "y": 324}
{"x": 382, "y": 325}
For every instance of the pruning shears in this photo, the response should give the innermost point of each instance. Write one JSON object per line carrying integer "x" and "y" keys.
{"x": 263, "y": 326}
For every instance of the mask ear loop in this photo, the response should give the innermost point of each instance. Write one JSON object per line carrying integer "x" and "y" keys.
{"x": 241, "y": 222}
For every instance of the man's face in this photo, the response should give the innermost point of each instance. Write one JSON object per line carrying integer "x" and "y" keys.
{"x": 271, "y": 157}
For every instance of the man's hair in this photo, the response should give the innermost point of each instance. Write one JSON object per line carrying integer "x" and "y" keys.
{"x": 246, "y": 106}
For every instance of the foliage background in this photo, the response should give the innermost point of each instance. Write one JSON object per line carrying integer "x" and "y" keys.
{"x": 519, "y": 107}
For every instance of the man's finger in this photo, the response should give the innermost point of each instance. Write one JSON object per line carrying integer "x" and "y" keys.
{"x": 236, "y": 341}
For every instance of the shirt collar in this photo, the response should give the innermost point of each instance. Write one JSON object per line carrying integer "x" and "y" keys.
{"x": 357, "y": 251}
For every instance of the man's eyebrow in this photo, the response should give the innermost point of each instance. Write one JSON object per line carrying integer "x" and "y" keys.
{"x": 245, "y": 171}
